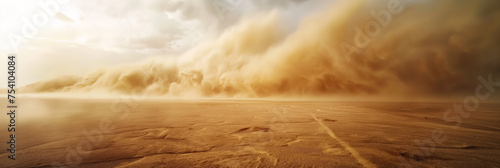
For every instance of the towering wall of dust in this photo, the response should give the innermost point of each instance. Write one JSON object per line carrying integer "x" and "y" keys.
{"x": 353, "y": 48}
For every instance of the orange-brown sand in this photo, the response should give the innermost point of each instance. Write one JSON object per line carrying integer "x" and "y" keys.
{"x": 245, "y": 133}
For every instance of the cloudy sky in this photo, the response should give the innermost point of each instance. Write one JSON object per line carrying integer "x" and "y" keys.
{"x": 260, "y": 48}
{"x": 75, "y": 37}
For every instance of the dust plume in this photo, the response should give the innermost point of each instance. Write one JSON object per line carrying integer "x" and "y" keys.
{"x": 431, "y": 48}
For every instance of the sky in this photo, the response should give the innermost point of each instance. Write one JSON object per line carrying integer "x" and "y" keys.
{"x": 78, "y": 37}
{"x": 261, "y": 48}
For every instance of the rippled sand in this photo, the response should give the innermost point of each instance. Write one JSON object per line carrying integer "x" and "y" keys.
{"x": 246, "y": 133}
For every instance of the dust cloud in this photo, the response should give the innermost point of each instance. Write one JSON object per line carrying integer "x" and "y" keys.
{"x": 383, "y": 48}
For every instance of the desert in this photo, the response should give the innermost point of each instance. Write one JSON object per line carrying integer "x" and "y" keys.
{"x": 250, "y": 84}
{"x": 249, "y": 133}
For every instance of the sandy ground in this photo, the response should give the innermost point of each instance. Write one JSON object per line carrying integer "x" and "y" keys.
{"x": 246, "y": 133}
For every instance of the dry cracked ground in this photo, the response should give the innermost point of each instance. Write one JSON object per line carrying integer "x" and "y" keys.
{"x": 54, "y": 132}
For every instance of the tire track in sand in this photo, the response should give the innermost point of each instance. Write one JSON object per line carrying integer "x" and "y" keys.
{"x": 354, "y": 153}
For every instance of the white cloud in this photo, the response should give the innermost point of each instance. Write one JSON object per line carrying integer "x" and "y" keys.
{"x": 85, "y": 35}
